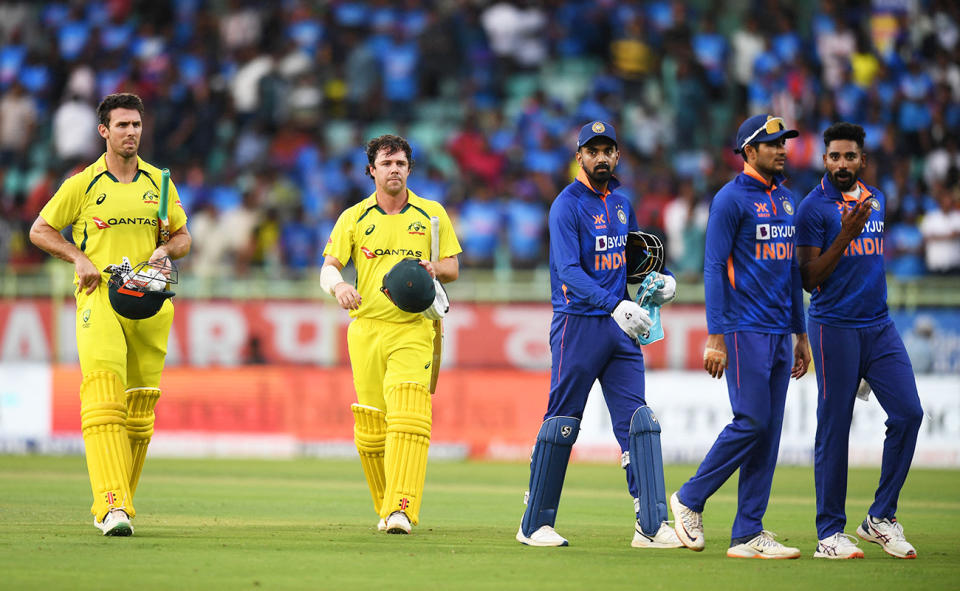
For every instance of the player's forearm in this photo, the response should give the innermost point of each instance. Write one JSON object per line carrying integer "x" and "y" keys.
{"x": 447, "y": 269}
{"x": 46, "y": 238}
{"x": 815, "y": 270}
{"x": 179, "y": 244}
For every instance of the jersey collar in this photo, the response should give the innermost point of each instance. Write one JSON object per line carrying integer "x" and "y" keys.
{"x": 413, "y": 200}
{"x": 100, "y": 168}
{"x": 612, "y": 184}
{"x": 833, "y": 193}
{"x": 752, "y": 173}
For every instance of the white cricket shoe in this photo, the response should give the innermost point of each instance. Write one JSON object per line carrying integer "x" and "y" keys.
{"x": 763, "y": 546}
{"x": 888, "y": 534}
{"x": 688, "y": 524}
{"x": 545, "y": 536}
{"x": 116, "y": 523}
{"x": 397, "y": 523}
{"x": 382, "y": 524}
{"x": 665, "y": 537}
{"x": 838, "y": 546}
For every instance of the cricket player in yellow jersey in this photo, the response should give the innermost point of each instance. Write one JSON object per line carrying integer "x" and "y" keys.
{"x": 113, "y": 207}
{"x": 392, "y": 351}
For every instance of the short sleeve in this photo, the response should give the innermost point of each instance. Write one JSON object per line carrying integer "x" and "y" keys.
{"x": 340, "y": 243}
{"x": 63, "y": 209}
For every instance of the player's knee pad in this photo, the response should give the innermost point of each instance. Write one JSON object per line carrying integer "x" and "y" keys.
{"x": 645, "y": 463}
{"x": 103, "y": 416}
{"x": 370, "y": 435}
{"x": 140, "y": 412}
{"x": 548, "y": 466}
{"x": 409, "y": 412}
{"x": 140, "y": 420}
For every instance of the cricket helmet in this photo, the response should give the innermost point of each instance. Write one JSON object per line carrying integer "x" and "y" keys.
{"x": 134, "y": 293}
{"x": 409, "y": 286}
{"x": 644, "y": 255}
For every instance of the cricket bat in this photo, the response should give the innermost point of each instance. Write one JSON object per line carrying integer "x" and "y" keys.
{"x": 163, "y": 209}
{"x": 437, "y": 324}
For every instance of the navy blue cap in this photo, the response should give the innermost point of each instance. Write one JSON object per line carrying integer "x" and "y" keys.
{"x": 762, "y": 128}
{"x": 596, "y": 129}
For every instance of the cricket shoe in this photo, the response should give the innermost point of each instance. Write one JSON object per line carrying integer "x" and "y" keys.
{"x": 545, "y": 536}
{"x": 382, "y": 524}
{"x": 116, "y": 523}
{"x": 888, "y": 533}
{"x": 763, "y": 546}
{"x": 665, "y": 537}
{"x": 688, "y": 524}
{"x": 837, "y": 547}
{"x": 397, "y": 523}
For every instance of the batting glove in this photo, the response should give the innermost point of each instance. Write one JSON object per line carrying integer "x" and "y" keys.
{"x": 632, "y": 319}
{"x": 666, "y": 293}
{"x": 440, "y": 306}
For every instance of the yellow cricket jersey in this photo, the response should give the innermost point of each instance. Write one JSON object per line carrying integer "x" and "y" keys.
{"x": 112, "y": 219}
{"x": 377, "y": 241}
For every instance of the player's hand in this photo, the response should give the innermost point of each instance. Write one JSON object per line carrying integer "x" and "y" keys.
{"x": 429, "y": 267}
{"x": 347, "y": 296}
{"x": 87, "y": 274}
{"x": 854, "y": 219}
{"x": 440, "y": 306}
{"x": 801, "y": 356}
{"x": 632, "y": 319}
{"x": 666, "y": 293}
{"x": 156, "y": 260}
{"x": 715, "y": 355}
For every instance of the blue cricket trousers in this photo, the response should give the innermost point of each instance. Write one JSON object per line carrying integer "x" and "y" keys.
{"x": 758, "y": 373}
{"x": 585, "y": 349}
{"x": 842, "y": 357}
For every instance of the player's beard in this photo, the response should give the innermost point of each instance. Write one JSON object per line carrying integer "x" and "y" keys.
{"x": 600, "y": 176}
{"x": 843, "y": 183}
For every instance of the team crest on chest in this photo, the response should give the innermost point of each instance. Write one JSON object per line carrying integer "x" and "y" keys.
{"x": 874, "y": 203}
{"x": 787, "y": 207}
{"x": 151, "y": 197}
{"x": 416, "y": 228}
{"x": 621, "y": 215}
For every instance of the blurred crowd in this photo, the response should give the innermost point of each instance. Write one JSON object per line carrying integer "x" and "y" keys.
{"x": 261, "y": 110}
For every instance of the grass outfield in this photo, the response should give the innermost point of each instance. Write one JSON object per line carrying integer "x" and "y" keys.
{"x": 308, "y": 524}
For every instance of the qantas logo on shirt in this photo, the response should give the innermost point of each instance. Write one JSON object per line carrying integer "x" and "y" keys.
{"x": 379, "y": 252}
{"x": 102, "y": 225}
{"x": 131, "y": 221}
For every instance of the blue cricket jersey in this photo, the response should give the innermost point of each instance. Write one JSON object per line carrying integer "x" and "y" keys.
{"x": 855, "y": 293}
{"x": 588, "y": 238}
{"x": 750, "y": 272}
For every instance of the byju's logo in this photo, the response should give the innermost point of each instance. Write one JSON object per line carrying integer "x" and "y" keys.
{"x": 763, "y": 231}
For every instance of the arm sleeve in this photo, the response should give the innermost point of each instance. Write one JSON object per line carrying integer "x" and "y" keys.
{"x": 340, "y": 243}
{"x": 565, "y": 254}
{"x": 810, "y": 229}
{"x": 796, "y": 297}
{"x": 722, "y": 228}
{"x": 64, "y": 207}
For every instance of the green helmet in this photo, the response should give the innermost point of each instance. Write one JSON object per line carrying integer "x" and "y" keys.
{"x": 409, "y": 286}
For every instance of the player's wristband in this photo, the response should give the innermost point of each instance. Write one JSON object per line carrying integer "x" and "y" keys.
{"x": 330, "y": 277}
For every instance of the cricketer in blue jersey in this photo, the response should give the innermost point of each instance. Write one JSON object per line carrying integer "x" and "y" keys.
{"x": 840, "y": 250}
{"x": 593, "y": 337}
{"x": 754, "y": 302}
